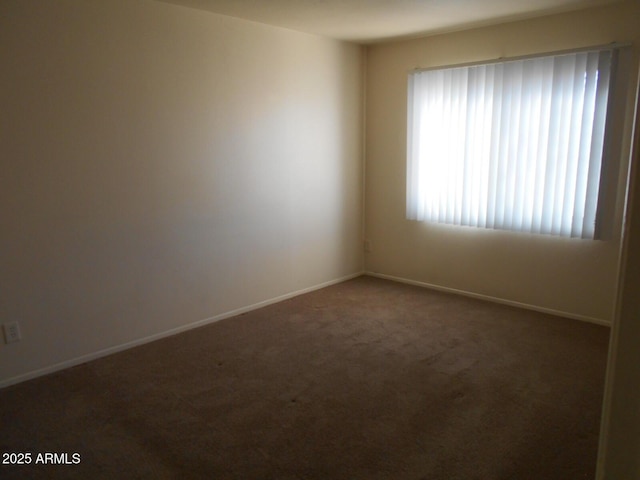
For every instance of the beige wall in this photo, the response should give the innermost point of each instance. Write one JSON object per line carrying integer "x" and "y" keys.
{"x": 574, "y": 277}
{"x": 161, "y": 166}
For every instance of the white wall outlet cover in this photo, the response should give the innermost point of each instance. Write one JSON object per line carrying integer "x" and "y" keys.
{"x": 11, "y": 332}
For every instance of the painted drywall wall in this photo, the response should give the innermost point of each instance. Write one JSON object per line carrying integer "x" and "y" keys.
{"x": 574, "y": 277}
{"x": 160, "y": 165}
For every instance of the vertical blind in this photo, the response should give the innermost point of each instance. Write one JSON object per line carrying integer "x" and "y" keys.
{"x": 515, "y": 145}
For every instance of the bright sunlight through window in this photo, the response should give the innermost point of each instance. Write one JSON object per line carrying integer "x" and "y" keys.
{"x": 515, "y": 145}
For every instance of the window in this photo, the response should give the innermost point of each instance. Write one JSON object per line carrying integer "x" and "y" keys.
{"x": 515, "y": 145}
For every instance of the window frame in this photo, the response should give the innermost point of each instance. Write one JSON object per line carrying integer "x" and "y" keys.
{"x": 608, "y": 193}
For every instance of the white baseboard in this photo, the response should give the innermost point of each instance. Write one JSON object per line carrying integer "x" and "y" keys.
{"x": 167, "y": 333}
{"x": 574, "y": 316}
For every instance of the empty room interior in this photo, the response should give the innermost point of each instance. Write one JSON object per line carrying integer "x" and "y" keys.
{"x": 221, "y": 256}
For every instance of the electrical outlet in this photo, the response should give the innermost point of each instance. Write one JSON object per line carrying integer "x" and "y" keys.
{"x": 11, "y": 332}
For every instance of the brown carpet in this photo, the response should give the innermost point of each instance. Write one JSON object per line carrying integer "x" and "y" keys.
{"x": 368, "y": 379}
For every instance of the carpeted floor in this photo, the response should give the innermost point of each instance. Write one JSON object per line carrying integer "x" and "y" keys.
{"x": 368, "y": 379}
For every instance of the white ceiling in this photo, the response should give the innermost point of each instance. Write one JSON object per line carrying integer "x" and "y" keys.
{"x": 367, "y": 21}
